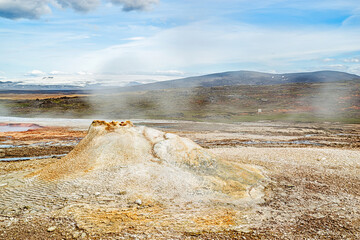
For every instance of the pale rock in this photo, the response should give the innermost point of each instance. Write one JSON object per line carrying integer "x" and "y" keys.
{"x": 146, "y": 162}
{"x": 51, "y": 229}
{"x": 76, "y": 234}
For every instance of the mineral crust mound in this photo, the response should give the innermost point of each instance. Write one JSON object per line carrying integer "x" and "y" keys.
{"x": 119, "y": 144}
{"x": 149, "y": 160}
{"x": 122, "y": 176}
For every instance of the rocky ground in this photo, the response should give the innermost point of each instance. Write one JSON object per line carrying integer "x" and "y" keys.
{"x": 312, "y": 187}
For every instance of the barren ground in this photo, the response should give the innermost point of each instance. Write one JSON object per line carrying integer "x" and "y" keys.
{"x": 312, "y": 188}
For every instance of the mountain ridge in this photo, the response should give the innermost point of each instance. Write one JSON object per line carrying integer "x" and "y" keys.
{"x": 245, "y": 78}
{"x": 228, "y": 78}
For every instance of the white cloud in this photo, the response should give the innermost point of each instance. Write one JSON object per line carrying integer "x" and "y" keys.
{"x": 130, "y": 5}
{"x": 170, "y": 72}
{"x": 15, "y": 9}
{"x": 328, "y": 59}
{"x": 134, "y": 38}
{"x": 84, "y": 73}
{"x": 353, "y": 20}
{"x": 56, "y": 73}
{"x": 337, "y": 66}
{"x": 77, "y": 79}
{"x": 34, "y": 9}
{"x": 352, "y": 60}
{"x": 355, "y": 69}
{"x": 205, "y": 44}
{"x": 80, "y": 5}
{"x": 35, "y": 73}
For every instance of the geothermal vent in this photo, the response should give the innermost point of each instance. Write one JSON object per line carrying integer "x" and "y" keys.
{"x": 122, "y": 176}
{"x": 117, "y": 145}
{"x": 150, "y": 160}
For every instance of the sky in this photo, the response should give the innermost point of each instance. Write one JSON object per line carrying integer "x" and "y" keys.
{"x": 113, "y": 42}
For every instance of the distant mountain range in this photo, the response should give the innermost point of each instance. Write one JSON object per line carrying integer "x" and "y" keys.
{"x": 211, "y": 80}
{"x": 18, "y": 86}
{"x": 246, "y": 78}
